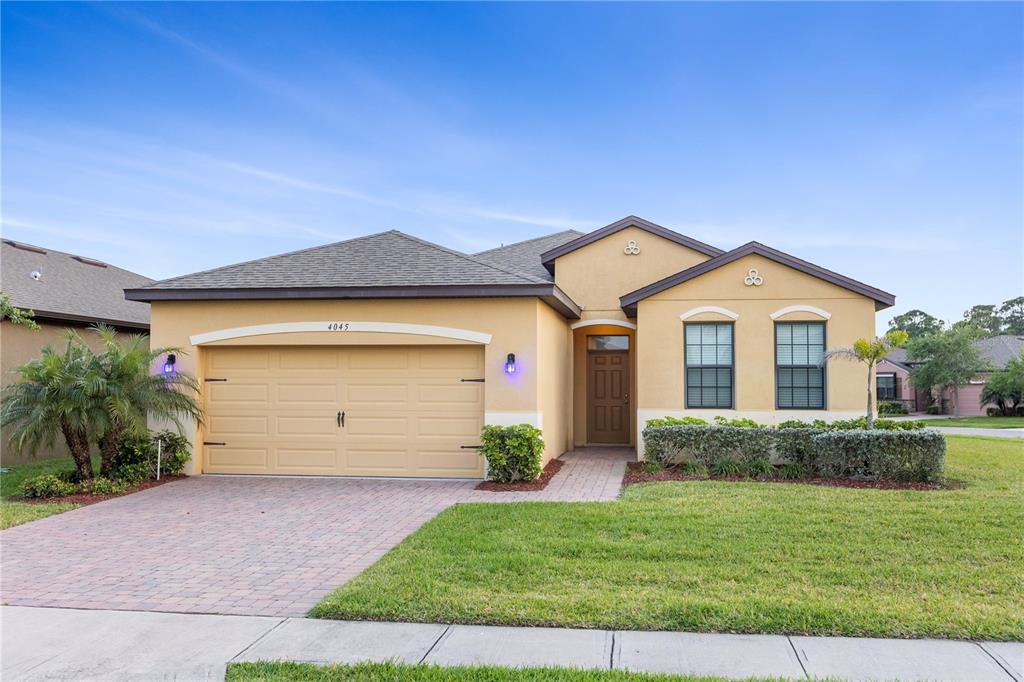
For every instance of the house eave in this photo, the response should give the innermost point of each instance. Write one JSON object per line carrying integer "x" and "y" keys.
{"x": 549, "y": 293}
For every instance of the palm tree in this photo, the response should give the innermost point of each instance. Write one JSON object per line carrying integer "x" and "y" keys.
{"x": 870, "y": 353}
{"x": 51, "y": 396}
{"x": 132, "y": 393}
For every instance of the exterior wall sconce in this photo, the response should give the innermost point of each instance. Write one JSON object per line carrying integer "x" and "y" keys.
{"x": 510, "y": 364}
{"x": 169, "y": 364}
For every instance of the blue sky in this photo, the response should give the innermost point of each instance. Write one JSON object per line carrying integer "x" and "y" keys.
{"x": 882, "y": 141}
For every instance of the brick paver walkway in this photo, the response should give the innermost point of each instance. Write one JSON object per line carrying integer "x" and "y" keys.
{"x": 246, "y": 545}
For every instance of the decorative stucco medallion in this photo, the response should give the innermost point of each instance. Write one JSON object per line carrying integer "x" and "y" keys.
{"x": 631, "y": 248}
{"x": 753, "y": 278}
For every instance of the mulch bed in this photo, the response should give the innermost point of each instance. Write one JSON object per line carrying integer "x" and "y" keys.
{"x": 92, "y": 499}
{"x": 550, "y": 469}
{"x": 635, "y": 474}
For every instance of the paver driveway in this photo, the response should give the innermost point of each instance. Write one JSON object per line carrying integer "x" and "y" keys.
{"x": 245, "y": 545}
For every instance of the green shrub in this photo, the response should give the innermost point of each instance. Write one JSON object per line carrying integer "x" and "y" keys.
{"x": 881, "y": 455}
{"x": 46, "y": 485}
{"x": 695, "y": 469}
{"x": 738, "y": 423}
{"x": 792, "y": 470}
{"x": 103, "y": 486}
{"x": 795, "y": 424}
{"x": 934, "y": 408}
{"x": 653, "y": 467}
{"x": 761, "y": 468}
{"x": 513, "y": 453}
{"x": 136, "y": 457}
{"x": 891, "y": 407}
{"x": 676, "y": 421}
{"x": 726, "y": 467}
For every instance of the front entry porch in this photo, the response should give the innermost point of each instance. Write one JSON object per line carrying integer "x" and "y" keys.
{"x": 604, "y": 384}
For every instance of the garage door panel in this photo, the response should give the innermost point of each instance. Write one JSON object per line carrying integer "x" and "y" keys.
{"x": 308, "y": 358}
{"x": 236, "y": 425}
{"x": 435, "y": 393}
{"x": 237, "y": 459}
{"x": 325, "y": 459}
{"x": 310, "y": 426}
{"x": 407, "y": 411}
{"x": 224, "y": 393}
{"x": 237, "y": 358}
{"x": 307, "y": 393}
{"x": 373, "y": 358}
{"x": 382, "y": 395}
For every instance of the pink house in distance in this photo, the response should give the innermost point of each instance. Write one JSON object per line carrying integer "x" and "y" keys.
{"x": 892, "y": 378}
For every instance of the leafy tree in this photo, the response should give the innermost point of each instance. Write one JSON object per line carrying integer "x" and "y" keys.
{"x": 948, "y": 358}
{"x": 132, "y": 392}
{"x": 1012, "y": 314}
{"x": 984, "y": 317}
{"x": 16, "y": 315}
{"x": 50, "y": 396}
{"x": 1005, "y": 388}
{"x": 916, "y": 323}
{"x": 870, "y": 353}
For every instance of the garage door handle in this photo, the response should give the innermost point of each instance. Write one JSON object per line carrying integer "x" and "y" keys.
{"x": 341, "y": 419}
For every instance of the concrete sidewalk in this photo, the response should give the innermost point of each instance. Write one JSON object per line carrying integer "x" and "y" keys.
{"x": 68, "y": 644}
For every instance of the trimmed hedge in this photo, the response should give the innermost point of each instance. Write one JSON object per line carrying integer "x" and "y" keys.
{"x": 881, "y": 455}
{"x": 893, "y": 452}
{"x": 513, "y": 453}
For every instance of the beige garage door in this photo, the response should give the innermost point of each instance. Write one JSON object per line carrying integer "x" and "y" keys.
{"x": 406, "y": 411}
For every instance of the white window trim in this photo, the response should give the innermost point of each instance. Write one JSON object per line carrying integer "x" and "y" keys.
{"x": 824, "y": 314}
{"x": 594, "y": 323}
{"x": 709, "y": 309}
{"x": 323, "y": 326}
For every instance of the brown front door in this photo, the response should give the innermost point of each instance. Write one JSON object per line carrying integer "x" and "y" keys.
{"x": 608, "y": 397}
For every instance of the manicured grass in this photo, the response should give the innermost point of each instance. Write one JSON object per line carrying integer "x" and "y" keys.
{"x": 980, "y": 422}
{"x": 726, "y": 557}
{"x": 390, "y": 672}
{"x": 16, "y": 513}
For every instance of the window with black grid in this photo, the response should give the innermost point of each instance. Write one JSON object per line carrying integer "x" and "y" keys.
{"x": 886, "y": 386}
{"x": 799, "y": 379}
{"x": 709, "y": 368}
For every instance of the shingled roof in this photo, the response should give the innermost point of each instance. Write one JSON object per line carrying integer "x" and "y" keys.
{"x": 525, "y": 256}
{"x": 385, "y": 265}
{"x": 68, "y": 287}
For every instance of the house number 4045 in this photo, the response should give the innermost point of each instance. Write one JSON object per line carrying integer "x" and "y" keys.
{"x": 337, "y": 326}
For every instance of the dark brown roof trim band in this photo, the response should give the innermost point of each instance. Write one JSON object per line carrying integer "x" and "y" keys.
{"x": 84, "y": 321}
{"x": 549, "y": 293}
{"x": 883, "y": 299}
{"x": 548, "y": 257}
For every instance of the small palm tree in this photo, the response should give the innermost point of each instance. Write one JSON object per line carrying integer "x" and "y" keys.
{"x": 870, "y": 353}
{"x": 50, "y": 397}
{"x": 131, "y": 392}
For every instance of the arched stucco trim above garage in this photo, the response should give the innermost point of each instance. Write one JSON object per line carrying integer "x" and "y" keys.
{"x": 823, "y": 314}
{"x": 709, "y": 309}
{"x": 341, "y": 327}
{"x": 593, "y": 323}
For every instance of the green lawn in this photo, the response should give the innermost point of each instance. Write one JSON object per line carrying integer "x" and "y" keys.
{"x": 726, "y": 557}
{"x": 390, "y": 672}
{"x": 980, "y": 422}
{"x": 16, "y": 513}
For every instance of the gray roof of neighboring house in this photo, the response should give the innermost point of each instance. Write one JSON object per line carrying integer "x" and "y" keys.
{"x": 385, "y": 265}
{"x": 69, "y": 287}
{"x": 997, "y": 350}
{"x": 525, "y": 256}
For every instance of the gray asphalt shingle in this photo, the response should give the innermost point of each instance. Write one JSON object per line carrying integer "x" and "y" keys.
{"x": 525, "y": 256}
{"x": 386, "y": 259}
{"x": 68, "y": 288}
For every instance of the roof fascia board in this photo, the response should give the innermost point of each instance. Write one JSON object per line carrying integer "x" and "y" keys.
{"x": 548, "y": 257}
{"x": 549, "y": 293}
{"x": 883, "y": 299}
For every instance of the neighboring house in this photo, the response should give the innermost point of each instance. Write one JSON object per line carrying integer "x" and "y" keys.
{"x": 893, "y": 377}
{"x": 64, "y": 291}
{"x": 384, "y": 355}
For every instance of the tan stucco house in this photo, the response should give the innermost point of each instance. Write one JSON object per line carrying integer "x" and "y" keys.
{"x": 384, "y": 355}
{"x": 65, "y": 291}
